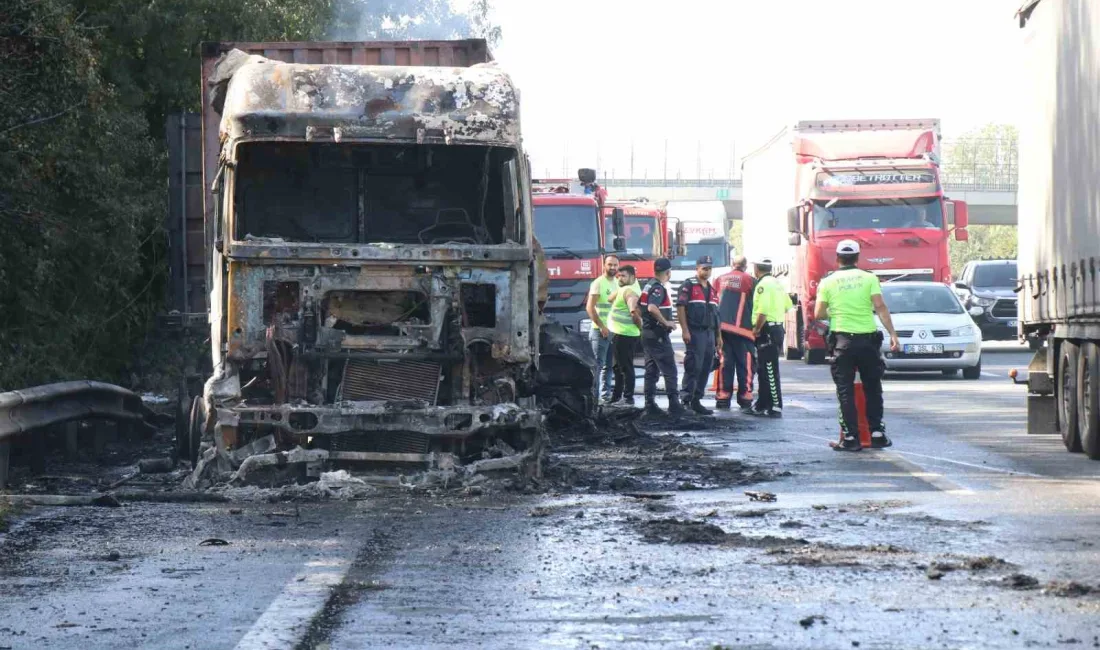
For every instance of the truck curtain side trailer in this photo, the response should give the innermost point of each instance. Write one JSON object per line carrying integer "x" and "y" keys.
{"x": 875, "y": 181}
{"x": 1059, "y": 217}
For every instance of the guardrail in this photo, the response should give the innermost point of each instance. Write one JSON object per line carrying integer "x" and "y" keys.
{"x": 31, "y": 409}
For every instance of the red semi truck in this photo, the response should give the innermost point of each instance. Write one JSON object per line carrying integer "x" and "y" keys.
{"x": 568, "y": 215}
{"x": 875, "y": 181}
{"x": 646, "y": 233}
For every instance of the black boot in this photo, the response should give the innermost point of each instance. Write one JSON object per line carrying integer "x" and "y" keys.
{"x": 722, "y": 404}
{"x": 652, "y": 410}
{"x": 675, "y": 408}
{"x": 699, "y": 409}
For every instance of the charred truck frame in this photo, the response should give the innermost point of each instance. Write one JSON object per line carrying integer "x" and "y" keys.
{"x": 369, "y": 231}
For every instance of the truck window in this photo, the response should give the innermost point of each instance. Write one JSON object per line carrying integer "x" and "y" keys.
{"x": 571, "y": 228}
{"x": 879, "y": 213}
{"x": 994, "y": 275}
{"x": 368, "y": 193}
{"x": 717, "y": 248}
{"x": 642, "y": 235}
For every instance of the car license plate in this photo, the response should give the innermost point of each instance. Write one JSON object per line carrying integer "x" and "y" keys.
{"x": 925, "y": 348}
{"x": 1012, "y": 323}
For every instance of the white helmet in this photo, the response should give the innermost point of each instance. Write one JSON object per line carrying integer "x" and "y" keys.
{"x": 847, "y": 247}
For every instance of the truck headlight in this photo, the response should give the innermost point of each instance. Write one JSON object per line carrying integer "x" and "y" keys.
{"x": 965, "y": 330}
{"x": 585, "y": 326}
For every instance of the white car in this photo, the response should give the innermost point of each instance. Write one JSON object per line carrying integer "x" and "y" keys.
{"x": 935, "y": 331}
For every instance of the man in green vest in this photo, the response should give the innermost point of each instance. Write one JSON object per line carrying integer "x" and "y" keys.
{"x": 850, "y": 298}
{"x": 769, "y": 308}
{"x": 625, "y": 323}
{"x": 599, "y": 309}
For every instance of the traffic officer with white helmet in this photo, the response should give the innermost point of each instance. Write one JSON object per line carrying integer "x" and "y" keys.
{"x": 769, "y": 307}
{"x": 850, "y": 298}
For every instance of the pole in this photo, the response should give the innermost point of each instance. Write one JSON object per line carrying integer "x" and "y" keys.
{"x": 664, "y": 174}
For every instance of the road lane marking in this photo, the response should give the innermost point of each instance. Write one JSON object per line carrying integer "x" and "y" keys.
{"x": 289, "y": 616}
{"x": 990, "y": 374}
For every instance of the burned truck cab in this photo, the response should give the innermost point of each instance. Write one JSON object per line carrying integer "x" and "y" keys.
{"x": 371, "y": 270}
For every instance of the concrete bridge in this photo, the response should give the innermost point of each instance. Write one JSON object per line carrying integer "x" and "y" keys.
{"x": 989, "y": 203}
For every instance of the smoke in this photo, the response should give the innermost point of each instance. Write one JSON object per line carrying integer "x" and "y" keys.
{"x": 366, "y": 20}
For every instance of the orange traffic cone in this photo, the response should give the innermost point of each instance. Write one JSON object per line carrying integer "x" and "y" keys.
{"x": 861, "y": 409}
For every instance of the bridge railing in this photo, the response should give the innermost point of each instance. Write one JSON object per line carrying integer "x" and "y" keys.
{"x": 950, "y": 183}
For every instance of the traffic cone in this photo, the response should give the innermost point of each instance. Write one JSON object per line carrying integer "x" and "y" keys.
{"x": 861, "y": 410}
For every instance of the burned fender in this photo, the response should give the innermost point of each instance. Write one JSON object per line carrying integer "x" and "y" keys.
{"x": 566, "y": 373}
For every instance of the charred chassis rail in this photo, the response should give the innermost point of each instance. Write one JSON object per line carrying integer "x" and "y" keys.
{"x": 31, "y": 410}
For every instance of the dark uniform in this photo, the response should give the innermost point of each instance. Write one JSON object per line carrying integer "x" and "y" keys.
{"x": 659, "y": 357}
{"x": 701, "y": 304}
{"x": 735, "y": 290}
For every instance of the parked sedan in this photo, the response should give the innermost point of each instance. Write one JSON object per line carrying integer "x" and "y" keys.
{"x": 934, "y": 330}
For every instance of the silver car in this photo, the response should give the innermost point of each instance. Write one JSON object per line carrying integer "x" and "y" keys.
{"x": 935, "y": 331}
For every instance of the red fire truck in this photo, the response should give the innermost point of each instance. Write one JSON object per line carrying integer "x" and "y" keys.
{"x": 647, "y": 234}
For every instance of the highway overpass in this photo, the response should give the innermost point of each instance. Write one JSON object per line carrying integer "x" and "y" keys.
{"x": 989, "y": 203}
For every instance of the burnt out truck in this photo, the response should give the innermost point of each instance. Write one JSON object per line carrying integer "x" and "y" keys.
{"x": 369, "y": 254}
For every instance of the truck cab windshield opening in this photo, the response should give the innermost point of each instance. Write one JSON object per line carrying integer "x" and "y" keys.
{"x": 642, "y": 235}
{"x": 565, "y": 230}
{"x": 370, "y": 193}
{"x": 860, "y": 214}
{"x": 717, "y": 248}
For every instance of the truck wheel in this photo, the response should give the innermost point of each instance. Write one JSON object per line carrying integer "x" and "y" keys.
{"x": 815, "y": 357}
{"x": 1067, "y": 395}
{"x": 1088, "y": 399}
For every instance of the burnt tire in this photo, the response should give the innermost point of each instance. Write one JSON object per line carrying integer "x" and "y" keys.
{"x": 1088, "y": 399}
{"x": 1066, "y": 394}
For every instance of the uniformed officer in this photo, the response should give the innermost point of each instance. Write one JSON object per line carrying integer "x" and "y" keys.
{"x": 769, "y": 307}
{"x": 735, "y": 291}
{"x": 697, "y": 311}
{"x": 626, "y": 330}
{"x": 850, "y": 298}
{"x": 656, "y": 307}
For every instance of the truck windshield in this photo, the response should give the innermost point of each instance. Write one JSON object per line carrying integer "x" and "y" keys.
{"x": 879, "y": 213}
{"x": 920, "y": 299}
{"x": 995, "y": 275}
{"x": 642, "y": 235}
{"x": 567, "y": 228}
{"x": 716, "y": 248}
{"x": 368, "y": 193}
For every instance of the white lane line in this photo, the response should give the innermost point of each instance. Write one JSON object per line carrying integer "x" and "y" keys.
{"x": 1000, "y": 470}
{"x": 990, "y": 374}
{"x": 288, "y": 617}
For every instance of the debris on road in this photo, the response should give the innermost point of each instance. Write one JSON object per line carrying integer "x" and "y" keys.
{"x": 1020, "y": 581}
{"x": 214, "y": 541}
{"x": 677, "y": 531}
{"x": 156, "y": 465}
{"x": 1068, "y": 589}
{"x": 809, "y": 621}
{"x": 760, "y": 496}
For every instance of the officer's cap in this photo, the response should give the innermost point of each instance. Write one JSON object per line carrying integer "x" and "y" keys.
{"x": 847, "y": 247}
{"x": 662, "y": 264}
{"x": 764, "y": 261}
{"x": 705, "y": 261}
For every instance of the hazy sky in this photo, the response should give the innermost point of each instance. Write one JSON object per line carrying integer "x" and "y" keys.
{"x": 724, "y": 75}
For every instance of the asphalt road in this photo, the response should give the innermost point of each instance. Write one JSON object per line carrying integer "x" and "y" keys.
{"x": 841, "y": 559}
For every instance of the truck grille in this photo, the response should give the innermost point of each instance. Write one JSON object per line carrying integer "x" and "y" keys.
{"x": 390, "y": 380}
{"x": 1004, "y": 308}
{"x": 392, "y": 442}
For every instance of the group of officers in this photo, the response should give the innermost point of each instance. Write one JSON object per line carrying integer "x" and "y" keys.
{"x": 735, "y": 322}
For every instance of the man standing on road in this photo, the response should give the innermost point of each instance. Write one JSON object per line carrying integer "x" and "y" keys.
{"x": 697, "y": 311}
{"x": 769, "y": 307}
{"x": 598, "y": 308}
{"x": 850, "y": 298}
{"x": 735, "y": 291}
{"x": 626, "y": 329}
{"x": 656, "y": 307}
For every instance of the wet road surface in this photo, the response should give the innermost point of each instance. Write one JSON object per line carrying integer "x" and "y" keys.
{"x": 932, "y": 543}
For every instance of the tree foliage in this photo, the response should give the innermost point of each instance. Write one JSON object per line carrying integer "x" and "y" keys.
{"x": 85, "y": 87}
{"x": 986, "y": 156}
{"x": 986, "y": 242}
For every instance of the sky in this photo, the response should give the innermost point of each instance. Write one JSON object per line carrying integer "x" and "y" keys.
{"x": 717, "y": 78}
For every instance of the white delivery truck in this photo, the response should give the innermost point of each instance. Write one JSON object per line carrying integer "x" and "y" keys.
{"x": 705, "y": 233}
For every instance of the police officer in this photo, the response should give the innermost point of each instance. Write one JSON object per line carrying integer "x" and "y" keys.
{"x": 697, "y": 311}
{"x": 769, "y": 306}
{"x": 656, "y": 307}
{"x": 850, "y": 298}
{"x": 735, "y": 291}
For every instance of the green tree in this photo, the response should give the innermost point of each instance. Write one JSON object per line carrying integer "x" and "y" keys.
{"x": 987, "y": 156}
{"x": 986, "y": 242}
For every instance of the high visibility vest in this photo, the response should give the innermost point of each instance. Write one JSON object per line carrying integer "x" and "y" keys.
{"x": 603, "y": 287}
{"x": 621, "y": 321}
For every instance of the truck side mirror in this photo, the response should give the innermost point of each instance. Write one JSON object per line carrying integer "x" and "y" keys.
{"x": 618, "y": 243}
{"x": 681, "y": 245}
{"x": 794, "y": 220}
{"x": 618, "y": 223}
{"x": 962, "y": 216}
{"x": 670, "y": 237}
{"x": 962, "y": 234}
{"x": 794, "y": 239}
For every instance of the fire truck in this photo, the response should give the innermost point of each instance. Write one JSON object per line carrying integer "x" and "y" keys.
{"x": 568, "y": 216}
{"x": 646, "y": 234}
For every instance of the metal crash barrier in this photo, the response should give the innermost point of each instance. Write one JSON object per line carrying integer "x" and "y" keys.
{"x": 25, "y": 411}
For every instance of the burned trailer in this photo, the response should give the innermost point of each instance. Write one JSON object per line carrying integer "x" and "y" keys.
{"x": 372, "y": 275}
